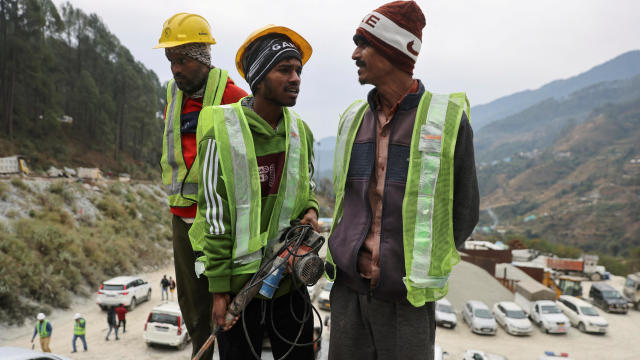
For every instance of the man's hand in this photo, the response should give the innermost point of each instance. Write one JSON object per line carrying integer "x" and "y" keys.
{"x": 310, "y": 218}
{"x": 221, "y": 303}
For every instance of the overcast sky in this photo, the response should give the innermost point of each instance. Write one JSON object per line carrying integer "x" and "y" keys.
{"x": 488, "y": 48}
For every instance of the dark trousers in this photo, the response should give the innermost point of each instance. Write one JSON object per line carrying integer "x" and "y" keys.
{"x": 193, "y": 293}
{"x": 366, "y": 328}
{"x": 233, "y": 343}
{"x": 81, "y": 337}
{"x": 123, "y": 322}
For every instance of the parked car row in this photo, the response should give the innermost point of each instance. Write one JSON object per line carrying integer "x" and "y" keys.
{"x": 552, "y": 317}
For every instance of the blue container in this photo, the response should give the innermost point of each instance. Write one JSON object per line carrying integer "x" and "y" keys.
{"x": 271, "y": 283}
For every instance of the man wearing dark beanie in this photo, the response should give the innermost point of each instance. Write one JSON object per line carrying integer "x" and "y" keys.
{"x": 256, "y": 161}
{"x": 406, "y": 196}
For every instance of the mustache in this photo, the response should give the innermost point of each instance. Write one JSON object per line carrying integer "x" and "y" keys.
{"x": 361, "y": 63}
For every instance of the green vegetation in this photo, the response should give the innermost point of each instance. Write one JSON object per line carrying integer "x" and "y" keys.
{"x": 57, "y": 62}
{"x": 50, "y": 256}
{"x": 4, "y": 189}
{"x": 18, "y": 183}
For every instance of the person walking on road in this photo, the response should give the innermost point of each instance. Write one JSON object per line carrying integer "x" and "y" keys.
{"x": 406, "y": 196}
{"x": 121, "y": 311}
{"x": 79, "y": 331}
{"x": 197, "y": 83}
{"x": 44, "y": 330}
{"x": 111, "y": 320}
{"x": 165, "y": 288}
{"x": 172, "y": 286}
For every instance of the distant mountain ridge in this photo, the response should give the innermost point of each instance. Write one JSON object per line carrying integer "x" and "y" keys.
{"x": 540, "y": 125}
{"x": 621, "y": 67}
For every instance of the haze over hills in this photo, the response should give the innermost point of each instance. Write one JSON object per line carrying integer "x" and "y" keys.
{"x": 540, "y": 125}
{"x": 621, "y": 67}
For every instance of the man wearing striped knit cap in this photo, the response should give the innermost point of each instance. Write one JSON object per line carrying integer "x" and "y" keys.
{"x": 406, "y": 196}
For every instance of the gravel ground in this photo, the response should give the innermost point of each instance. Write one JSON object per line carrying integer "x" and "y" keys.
{"x": 467, "y": 282}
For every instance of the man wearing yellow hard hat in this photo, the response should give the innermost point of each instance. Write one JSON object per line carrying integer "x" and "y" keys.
{"x": 256, "y": 168}
{"x": 196, "y": 83}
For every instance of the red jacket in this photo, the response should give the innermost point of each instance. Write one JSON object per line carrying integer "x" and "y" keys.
{"x": 232, "y": 94}
{"x": 120, "y": 311}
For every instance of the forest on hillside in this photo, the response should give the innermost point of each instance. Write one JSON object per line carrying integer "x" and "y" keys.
{"x": 58, "y": 64}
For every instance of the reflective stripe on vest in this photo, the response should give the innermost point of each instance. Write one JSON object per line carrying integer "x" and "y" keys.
{"x": 431, "y": 155}
{"x": 430, "y": 145}
{"x": 42, "y": 329}
{"x": 79, "y": 327}
{"x": 232, "y": 132}
{"x": 181, "y": 184}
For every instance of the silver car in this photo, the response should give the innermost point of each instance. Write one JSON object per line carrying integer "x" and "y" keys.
{"x": 478, "y": 316}
{"x": 512, "y": 318}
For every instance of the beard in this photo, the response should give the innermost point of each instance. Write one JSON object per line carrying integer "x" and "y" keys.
{"x": 361, "y": 64}
{"x": 269, "y": 93}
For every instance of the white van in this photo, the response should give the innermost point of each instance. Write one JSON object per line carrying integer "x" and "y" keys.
{"x": 165, "y": 326}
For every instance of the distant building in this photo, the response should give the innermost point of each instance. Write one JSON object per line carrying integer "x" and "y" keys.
{"x": 13, "y": 165}
{"x": 484, "y": 245}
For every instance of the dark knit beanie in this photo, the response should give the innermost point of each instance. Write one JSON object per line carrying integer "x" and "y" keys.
{"x": 395, "y": 31}
{"x": 264, "y": 53}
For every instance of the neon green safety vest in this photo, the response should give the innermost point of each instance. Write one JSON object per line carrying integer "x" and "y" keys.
{"x": 79, "y": 327}
{"x": 41, "y": 328}
{"x": 181, "y": 184}
{"x": 427, "y": 206}
{"x": 239, "y": 166}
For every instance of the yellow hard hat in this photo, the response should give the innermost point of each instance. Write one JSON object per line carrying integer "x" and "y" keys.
{"x": 184, "y": 28}
{"x": 300, "y": 42}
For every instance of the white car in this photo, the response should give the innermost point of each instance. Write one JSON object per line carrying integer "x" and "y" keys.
{"x": 549, "y": 317}
{"x": 17, "y": 353}
{"x": 445, "y": 315}
{"x": 479, "y": 318}
{"x": 481, "y": 355}
{"x": 323, "y": 298}
{"x": 438, "y": 353}
{"x": 582, "y": 314}
{"x": 126, "y": 290}
{"x": 512, "y": 318}
{"x": 165, "y": 326}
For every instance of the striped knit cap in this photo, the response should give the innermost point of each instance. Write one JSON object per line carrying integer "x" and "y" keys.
{"x": 395, "y": 31}
{"x": 264, "y": 53}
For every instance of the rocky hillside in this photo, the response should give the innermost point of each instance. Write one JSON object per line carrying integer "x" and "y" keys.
{"x": 583, "y": 190}
{"x": 62, "y": 238}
